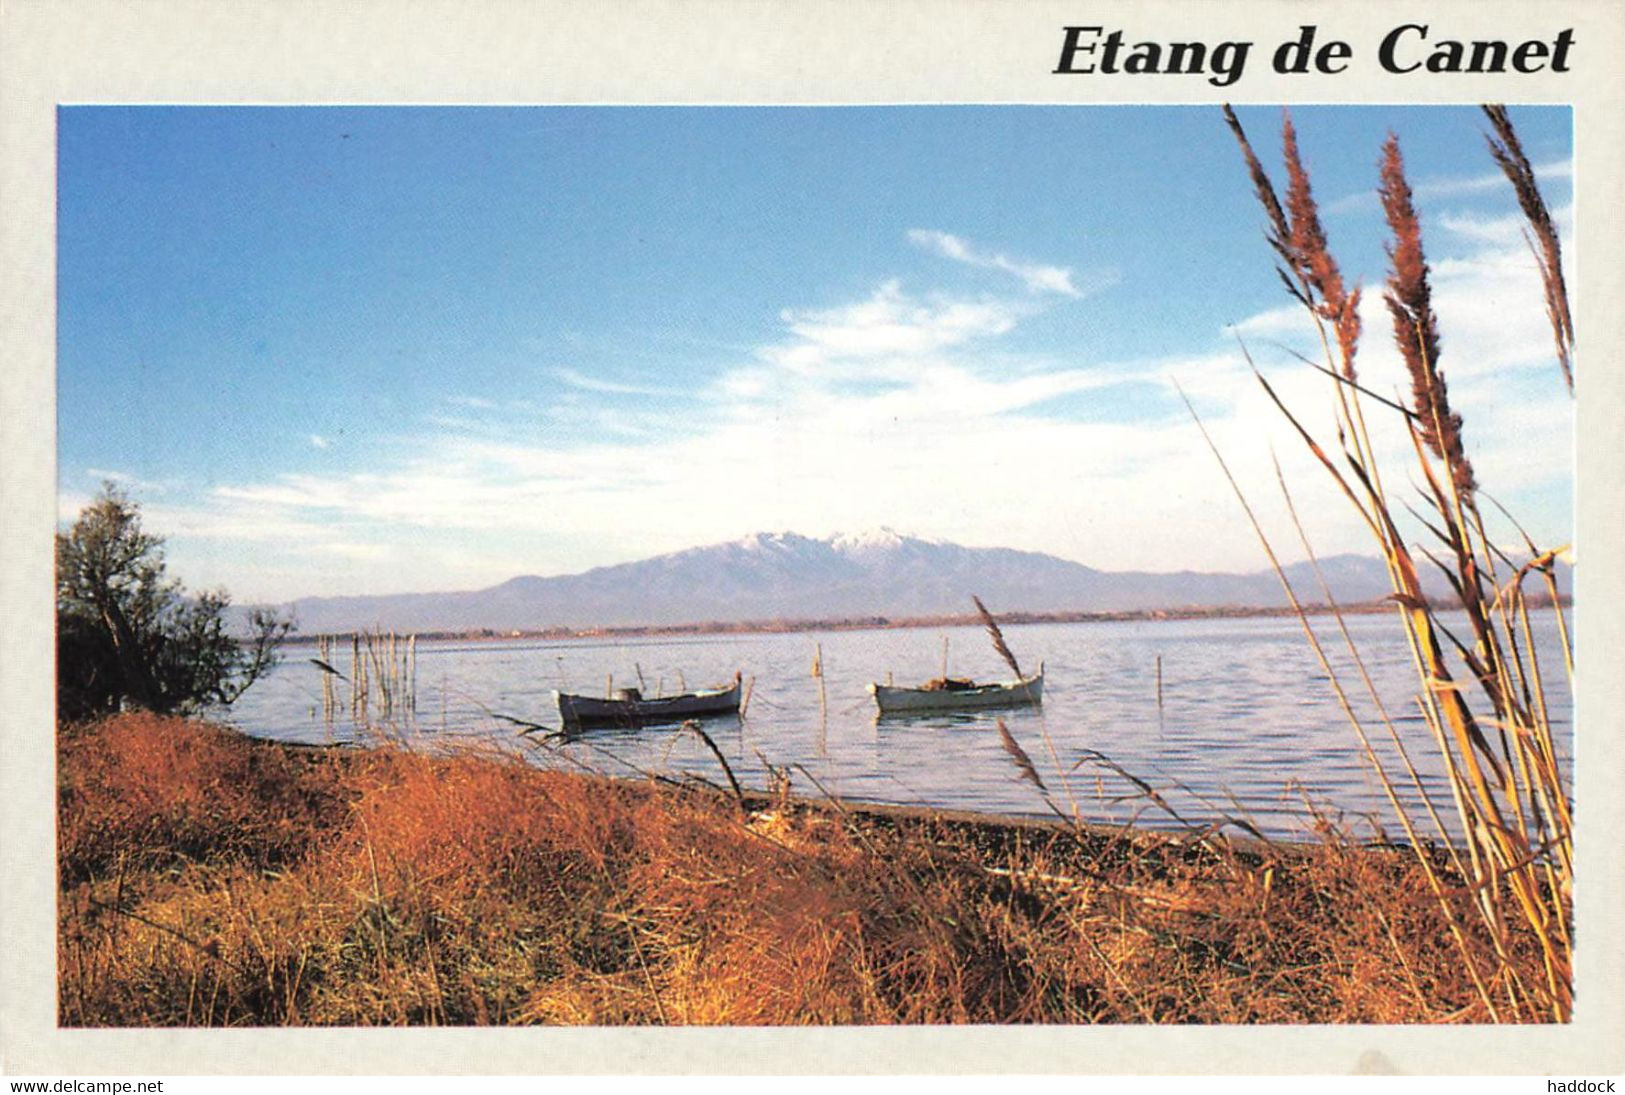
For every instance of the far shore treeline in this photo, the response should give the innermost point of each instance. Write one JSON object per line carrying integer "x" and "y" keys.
{"x": 901, "y": 623}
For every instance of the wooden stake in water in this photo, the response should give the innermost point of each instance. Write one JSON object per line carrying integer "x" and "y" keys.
{"x": 366, "y": 671}
{"x": 1159, "y": 684}
{"x": 324, "y": 650}
{"x": 411, "y": 670}
{"x": 944, "y": 673}
{"x": 818, "y": 671}
{"x": 381, "y": 648}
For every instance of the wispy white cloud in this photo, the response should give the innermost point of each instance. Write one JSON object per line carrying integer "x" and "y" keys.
{"x": 353, "y": 551}
{"x": 1038, "y": 277}
{"x": 1503, "y": 231}
{"x": 128, "y": 481}
{"x": 583, "y": 382}
{"x": 886, "y": 334}
{"x": 1274, "y": 322}
{"x": 1454, "y": 186}
{"x": 319, "y": 442}
{"x": 1450, "y": 186}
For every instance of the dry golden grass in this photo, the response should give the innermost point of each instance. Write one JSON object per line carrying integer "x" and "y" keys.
{"x": 207, "y": 879}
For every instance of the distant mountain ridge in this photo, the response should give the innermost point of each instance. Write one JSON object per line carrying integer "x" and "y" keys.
{"x": 786, "y": 576}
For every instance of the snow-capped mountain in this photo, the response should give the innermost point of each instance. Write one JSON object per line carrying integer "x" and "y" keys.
{"x": 784, "y": 575}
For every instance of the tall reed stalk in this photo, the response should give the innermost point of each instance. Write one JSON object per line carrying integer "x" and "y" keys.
{"x": 382, "y": 667}
{"x": 1481, "y": 692}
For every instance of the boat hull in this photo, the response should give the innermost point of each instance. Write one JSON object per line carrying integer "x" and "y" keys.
{"x": 596, "y": 710}
{"x": 919, "y": 701}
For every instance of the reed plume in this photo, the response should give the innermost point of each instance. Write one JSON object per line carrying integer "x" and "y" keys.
{"x": 1279, "y": 233}
{"x": 1508, "y": 153}
{"x": 1307, "y": 268}
{"x": 1416, "y": 328}
{"x": 692, "y": 726}
{"x": 1318, "y": 269}
{"x": 1019, "y": 755}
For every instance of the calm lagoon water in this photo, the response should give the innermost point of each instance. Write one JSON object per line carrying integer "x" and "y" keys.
{"x": 1249, "y": 725}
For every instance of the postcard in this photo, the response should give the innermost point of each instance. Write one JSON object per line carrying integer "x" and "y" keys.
{"x": 819, "y": 538}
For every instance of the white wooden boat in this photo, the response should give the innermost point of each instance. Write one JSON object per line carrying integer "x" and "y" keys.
{"x": 959, "y": 695}
{"x": 629, "y": 707}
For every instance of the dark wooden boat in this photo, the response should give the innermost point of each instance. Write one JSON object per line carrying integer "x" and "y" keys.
{"x": 629, "y": 707}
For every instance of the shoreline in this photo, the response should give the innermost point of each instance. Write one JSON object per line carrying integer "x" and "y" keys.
{"x": 904, "y": 812}
{"x": 199, "y": 868}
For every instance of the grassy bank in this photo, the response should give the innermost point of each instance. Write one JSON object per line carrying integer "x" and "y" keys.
{"x": 207, "y": 879}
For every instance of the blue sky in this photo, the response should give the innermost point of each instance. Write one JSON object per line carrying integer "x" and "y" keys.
{"x": 384, "y": 349}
